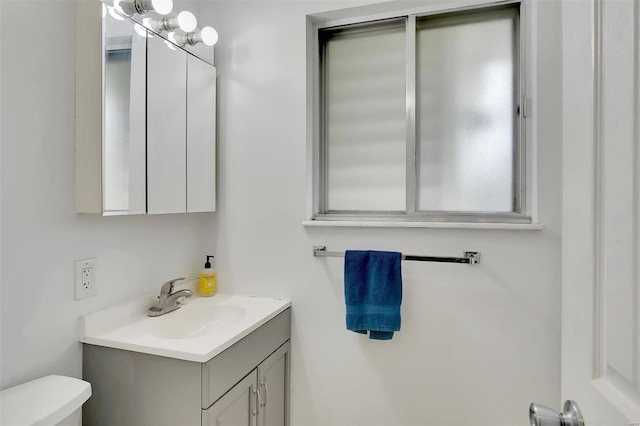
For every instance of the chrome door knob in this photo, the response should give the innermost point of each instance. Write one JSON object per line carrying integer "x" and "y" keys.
{"x": 541, "y": 415}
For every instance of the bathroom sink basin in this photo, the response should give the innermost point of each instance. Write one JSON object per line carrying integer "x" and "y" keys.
{"x": 198, "y": 331}
{"x": 189, "y": 322}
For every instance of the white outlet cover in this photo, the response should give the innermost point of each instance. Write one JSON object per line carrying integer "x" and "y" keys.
{"x": 85, "y": 278}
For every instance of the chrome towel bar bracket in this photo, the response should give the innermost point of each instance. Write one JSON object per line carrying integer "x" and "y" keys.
{"x": 470, "y": 257}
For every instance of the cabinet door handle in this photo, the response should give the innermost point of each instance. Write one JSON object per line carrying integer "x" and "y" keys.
{"x": 256, "y": 392}
{"x": 266, "y": 393}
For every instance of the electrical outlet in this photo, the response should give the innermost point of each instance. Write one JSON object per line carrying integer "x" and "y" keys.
{"x": 85, "y": 278}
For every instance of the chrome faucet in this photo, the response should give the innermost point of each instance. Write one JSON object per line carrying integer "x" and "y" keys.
{"x": 168, "y": 299}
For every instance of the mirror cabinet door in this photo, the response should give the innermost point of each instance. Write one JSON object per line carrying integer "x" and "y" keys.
{"x": 201, "y": 133}
{"x": 166, "y": 128}
{"x": 123, "y": 151}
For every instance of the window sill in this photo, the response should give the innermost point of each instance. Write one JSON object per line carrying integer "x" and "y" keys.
{"x": 442, "y": 225}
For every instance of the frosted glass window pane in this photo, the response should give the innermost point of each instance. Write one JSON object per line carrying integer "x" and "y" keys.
{"x": 466, "y": 112}
{"x": 365, "y": 148}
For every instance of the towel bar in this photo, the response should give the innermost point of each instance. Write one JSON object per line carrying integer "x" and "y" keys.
{"x": 470, "y": 257}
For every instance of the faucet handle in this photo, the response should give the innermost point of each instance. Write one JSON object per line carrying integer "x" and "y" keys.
{"x": 167, "y": 288}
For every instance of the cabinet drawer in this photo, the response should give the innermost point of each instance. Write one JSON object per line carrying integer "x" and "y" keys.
{"x": 222, "y": 372}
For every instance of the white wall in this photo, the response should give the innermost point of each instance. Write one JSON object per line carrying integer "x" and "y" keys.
{"x": 41, "y": 234}
{"x": 477, "y": 345}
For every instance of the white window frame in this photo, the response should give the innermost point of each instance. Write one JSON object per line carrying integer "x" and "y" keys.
{"x": 382, "y": 11}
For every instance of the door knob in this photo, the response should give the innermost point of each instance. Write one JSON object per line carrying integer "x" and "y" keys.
{"x": 541, "y": 415}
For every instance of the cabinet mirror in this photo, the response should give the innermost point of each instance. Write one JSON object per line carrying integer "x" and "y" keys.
{"x": 145, "y": 119}
{"x": 124, "y": 165}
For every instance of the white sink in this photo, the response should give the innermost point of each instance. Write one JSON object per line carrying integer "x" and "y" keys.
{"x": 198, "y": 331}
{"x": 194, "y": 321}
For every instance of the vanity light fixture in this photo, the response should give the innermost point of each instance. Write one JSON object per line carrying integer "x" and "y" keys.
{"x": 186, "y": 21}
{"x": 207, "y": 35}
{"x": 177, "y": 39}
{"x": 131, "y": 7}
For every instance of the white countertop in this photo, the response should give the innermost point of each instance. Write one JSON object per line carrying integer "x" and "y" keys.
{"x": 198, "y": 331}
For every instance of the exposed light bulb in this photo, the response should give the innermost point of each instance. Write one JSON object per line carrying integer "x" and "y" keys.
{"x": 140, "y": 30}
{"x": 209, "y": 36}
{"x": 113, "y": 11}
{"x": 124, "y": 7}
{"x": 153, "y": 24}
{"x": 169, "y": 45}
{"x": 147, "y": 23}
{"x": 131, "y": 7}
{"x": 187, "y": 21}
{"x": 177, "y": 39}
{"x": 162, "y": 6}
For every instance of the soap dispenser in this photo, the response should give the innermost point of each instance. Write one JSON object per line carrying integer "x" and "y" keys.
{"x": 208, "y": 279}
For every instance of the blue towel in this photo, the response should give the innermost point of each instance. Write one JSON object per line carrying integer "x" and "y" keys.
{"x": 373, "y": 292}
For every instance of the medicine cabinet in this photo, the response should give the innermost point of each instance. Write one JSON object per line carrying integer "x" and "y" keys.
{"x": 145, "y": 120}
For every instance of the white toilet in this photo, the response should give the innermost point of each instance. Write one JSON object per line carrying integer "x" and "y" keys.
{"x": 48, "y": 401}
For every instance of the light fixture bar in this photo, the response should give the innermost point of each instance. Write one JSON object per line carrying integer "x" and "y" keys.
{"x": 141, "y": 7}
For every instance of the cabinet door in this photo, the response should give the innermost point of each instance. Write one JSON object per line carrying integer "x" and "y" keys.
{"x": 273, "y": 376}
{"x": 236, "y": 407}
{"x": 166, "y": 127}
{"x": 201, "y": 136}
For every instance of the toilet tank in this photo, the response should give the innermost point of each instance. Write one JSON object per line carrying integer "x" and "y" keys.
{"x": 50, "y": 400}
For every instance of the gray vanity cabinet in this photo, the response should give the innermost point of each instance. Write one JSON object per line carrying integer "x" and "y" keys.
{"x": 273, "y": 380}
{"x": 246, "y": 384}
{"x": 260, "y": 399}
{"x": 236, "y": 407}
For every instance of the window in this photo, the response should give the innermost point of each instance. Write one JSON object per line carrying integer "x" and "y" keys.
{"x": 419, "y": 118}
